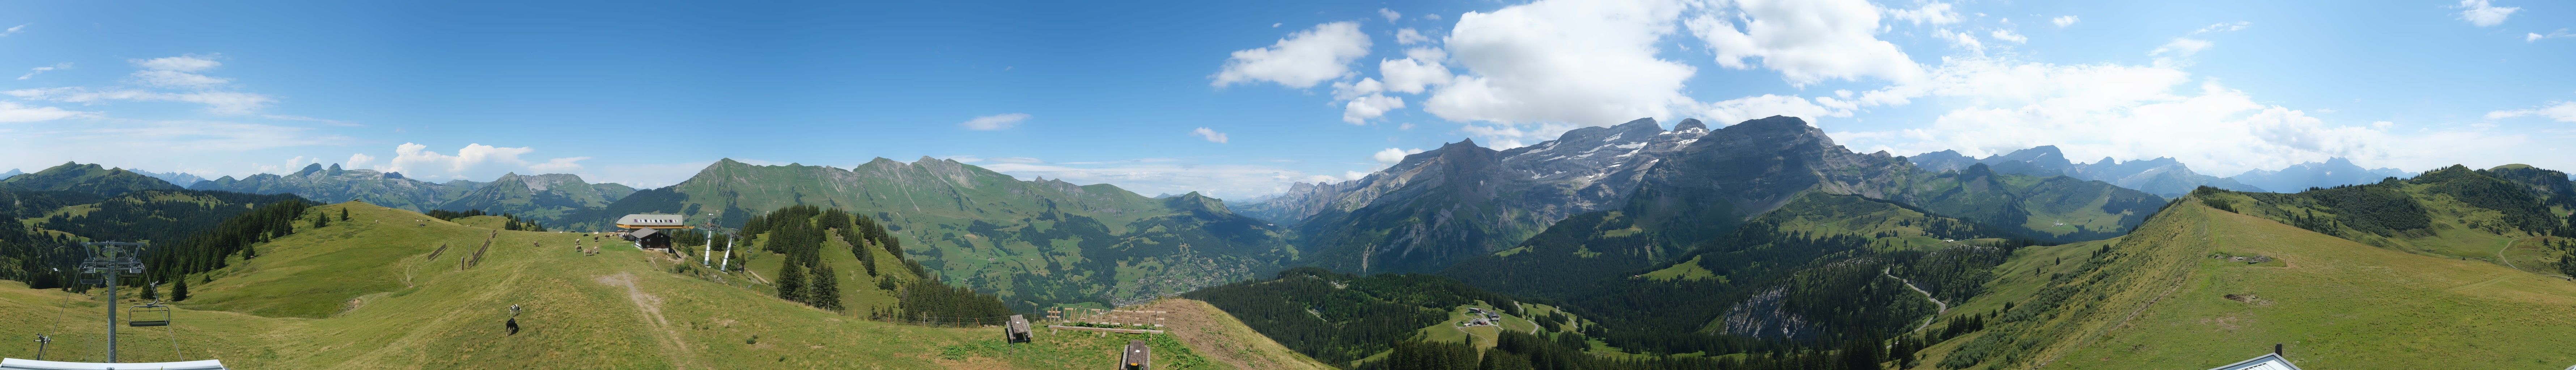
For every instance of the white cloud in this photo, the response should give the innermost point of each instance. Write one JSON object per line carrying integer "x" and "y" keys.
{"x": 176, "y": 79}
{"x": 559, "y": 165}
{"x": 12, "y": 112}
{"x": 183, "y": 63}
{"x": 1934, "y": 13}
{"x": 2482, "y": 14}
{"x": 1410, "y": 36}
{"x": 994, "y": 122}
{"x": 2138, "y": 112}
{"x": 1390, "y": 14}
{"x": 1736, "y": 110}
{"x": 2063, "y": 21}
{"x": 2535, "y": 37}
{"x": 1364, "y": 108}
{"x": 2224, "y": 27}
{"x": 1562, "y": 61}
{"x": 1961, "y": 40}
{"x": 1301, "y": 60}
{"x": 361, "y": 159}
{"x": 225, "y": 102}
{"x": 2181, "y": 47}
{"x": 2561, "y": 112}
{"x": 1807, "y": 41}
{"x": 1392, "y": 155}
{"x": 474, "y": 161}
{"x": 1209, "y": 135}
{"x": 12, "y": 30}
{"x": 32, "y": 72}
{"x": 2008, "y": 35}
{"x": 1421, "y": 69}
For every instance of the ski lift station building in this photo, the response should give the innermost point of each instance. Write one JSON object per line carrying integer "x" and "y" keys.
{"x": 646, "y": 229}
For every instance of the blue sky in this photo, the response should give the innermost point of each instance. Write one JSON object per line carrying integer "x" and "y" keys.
{"x": 1240, "y": 99}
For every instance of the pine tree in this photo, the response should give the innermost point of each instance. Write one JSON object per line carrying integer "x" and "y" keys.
{"x": 150, "y": 292}
{"x": 824, "y": 290}
{"x": 791, "y": 282}
{"x": 179, "y": 292}
{"x": 319, "y": 221}
{"x": 344, "y": 214}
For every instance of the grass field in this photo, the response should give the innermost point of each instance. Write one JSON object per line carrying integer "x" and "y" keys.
{"x": 362, "y": 294}
{"x": 2334, "y": 303}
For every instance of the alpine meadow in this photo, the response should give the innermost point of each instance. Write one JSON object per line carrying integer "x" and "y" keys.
{"x": 1335, "y": 185}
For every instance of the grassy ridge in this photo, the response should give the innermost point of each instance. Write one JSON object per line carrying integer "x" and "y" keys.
{"x": 361, "y": 295}
{"x": 2337, "y": 304}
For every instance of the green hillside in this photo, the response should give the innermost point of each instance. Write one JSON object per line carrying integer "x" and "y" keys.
{"x": 2175, "y": 294}
{"x": 86, "y": 179}
{"x": 1037, "y": 243}
{"x": 395, "y": 289}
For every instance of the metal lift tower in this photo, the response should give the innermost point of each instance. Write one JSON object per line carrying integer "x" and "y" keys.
{"x": 108, "y": 260}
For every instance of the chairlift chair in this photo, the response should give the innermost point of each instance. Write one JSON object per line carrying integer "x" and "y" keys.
{"x": 140, "y": 314}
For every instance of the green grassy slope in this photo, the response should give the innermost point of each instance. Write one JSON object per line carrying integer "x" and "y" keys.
{"x": 363, "y": 294}
{"x": 2159, "y": 296}
{"x": 1036, "y": 243}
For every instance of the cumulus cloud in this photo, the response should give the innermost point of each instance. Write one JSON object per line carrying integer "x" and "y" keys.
{"x": 994, "y": 122}
{"x": 2483, "y": 14}
{"x": 1392, "y": 155}
{"x": 2135, "y": 112}
{"x": 1301, "y": 60}
{"x": 32, "y": 72}
{"x": 1934, "y": 13}
{"x": 1562, "y": 61}
{"x": 2008, "y": 35}
{"x": 1807, "y": 41}
{"x": 1410, "y": 36}
{"x": 2561, "y": 112}
{"x": 2063, "y": 21}
{"x": 361, "y": 160}
{"x": 474, "y": 161}
{"x": 1420, "y": 69}
{"x": 1209, "y": 135}
{"x": 1364, "y": 108}
{"x": 1390, "y": 14}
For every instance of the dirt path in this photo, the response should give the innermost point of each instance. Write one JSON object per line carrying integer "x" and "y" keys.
{"x": 651, "y": 307}
{"x": 1909, "y": 284}
{"x": 2508, "y": 245}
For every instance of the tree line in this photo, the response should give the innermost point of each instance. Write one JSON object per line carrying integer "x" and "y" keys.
{"x": 799, "y": 232}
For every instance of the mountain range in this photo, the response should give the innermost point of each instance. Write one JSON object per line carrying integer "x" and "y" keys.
{"x": 2331, "y": 173}
{"x": 1036, "y": 242}
{"x": 2162, "y": 176}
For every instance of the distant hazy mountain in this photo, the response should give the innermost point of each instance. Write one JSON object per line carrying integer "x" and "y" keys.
{"x": 1036, "y": 242}
{"x": 2164, "y": 177}
{"x": 2334, "y": 172}
{"x": 334, "y": 185}
{"x": 1464, "y": 200}
{"x": 174, "y": 177}
{"x": 12, "y": 172}
{"x": 544, "y": 198}
{"x": 88, "y": 179}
